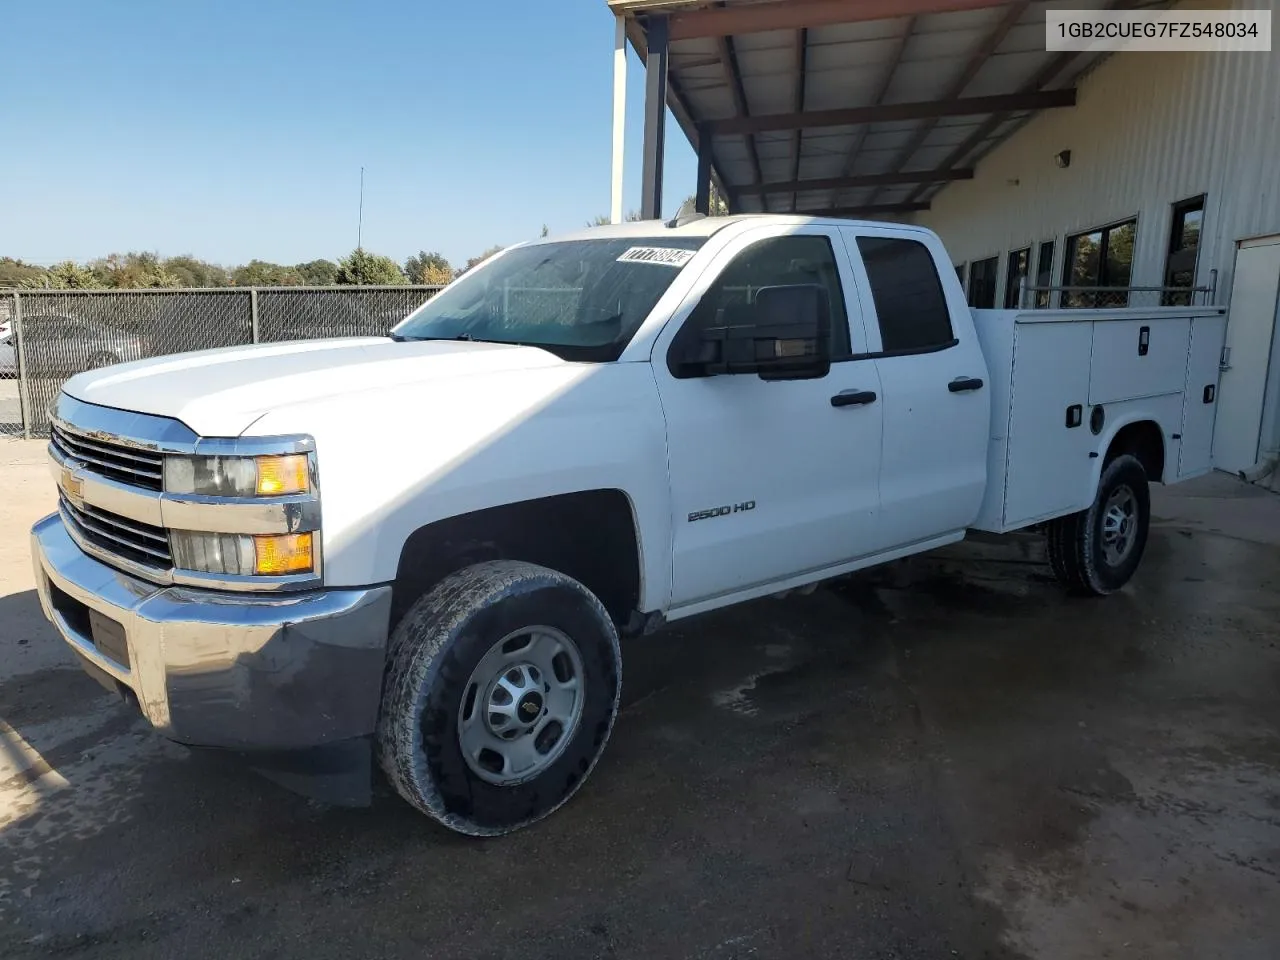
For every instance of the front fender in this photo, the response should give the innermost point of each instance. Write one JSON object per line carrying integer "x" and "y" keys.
{"x": 393, "y": 461}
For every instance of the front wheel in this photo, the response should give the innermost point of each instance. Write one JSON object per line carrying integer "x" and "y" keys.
{"x": 1096, "y": 551}
{"x": 501, "y": 690}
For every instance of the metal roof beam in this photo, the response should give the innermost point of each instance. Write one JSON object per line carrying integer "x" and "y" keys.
{"x": 733, "y": 77}
{"x": 795, "y": 14}
{"x": 985, "y": 50}
{"x": 886, "y": 78}
{"x": 883, "y": 113}
{"x": 869, "y": 211}
{"x": 868, "y": 180}
{"x": 1042, "y": 76}
{"x": 802, "y": 68}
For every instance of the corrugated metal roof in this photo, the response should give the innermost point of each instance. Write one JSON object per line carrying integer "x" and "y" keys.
{"x": 995, "y": 49}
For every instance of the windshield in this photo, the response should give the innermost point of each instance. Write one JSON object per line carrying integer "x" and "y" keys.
{"x": 579, "y": 299}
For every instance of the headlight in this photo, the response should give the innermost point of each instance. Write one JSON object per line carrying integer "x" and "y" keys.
{"x": 238, "y": 476}
{"x": 242, "y": 555}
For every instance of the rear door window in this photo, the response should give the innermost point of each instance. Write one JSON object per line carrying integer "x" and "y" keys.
{"x": 911, "y": 306}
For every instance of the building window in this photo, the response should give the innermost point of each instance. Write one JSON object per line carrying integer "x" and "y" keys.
{"x": 1184, "y": 251}
{"x": 1099, "y": 258}
{"x": 982, "y": 283}
{"x": 1044, "y": 273}
{"x": 911, "y": 307}
{"x": 1018, "y": 270}
{"x": 960, "y": 274}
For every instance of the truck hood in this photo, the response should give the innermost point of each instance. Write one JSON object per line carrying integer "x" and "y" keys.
{"x": 220, "y": 393}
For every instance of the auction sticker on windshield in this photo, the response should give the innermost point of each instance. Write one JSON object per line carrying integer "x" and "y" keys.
{"x": 665, "y": 256}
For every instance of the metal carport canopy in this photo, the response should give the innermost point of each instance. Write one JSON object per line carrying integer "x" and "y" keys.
{"x": 850, "y": 107}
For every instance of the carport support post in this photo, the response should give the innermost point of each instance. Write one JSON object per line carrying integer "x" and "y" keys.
{"x": 24, "y": 386}
{"x": 253, "y": 313}
{"x": 619, "y": 114}
{"x": 702, "y": 195}
{"x": 655, "y": 116}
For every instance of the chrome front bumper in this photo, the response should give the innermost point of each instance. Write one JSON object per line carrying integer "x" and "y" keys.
{"x": 211, "y": 668}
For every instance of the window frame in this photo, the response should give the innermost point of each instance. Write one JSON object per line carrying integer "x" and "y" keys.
{"x": 1177, "y": 224}
{"x": 994, "y": 260}
{"x": 1013, "y": 294}
{"x": 871, "y": 311}
{"x": 675, "y": 346}
{"x": 1044, "y": 298}
{"x": 1105, "y": 230}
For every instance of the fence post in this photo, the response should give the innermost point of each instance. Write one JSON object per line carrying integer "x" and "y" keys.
{"x": 24, "y": 385}
{"x": 253, "y": 311}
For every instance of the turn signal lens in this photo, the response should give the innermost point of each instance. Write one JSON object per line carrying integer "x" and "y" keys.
{"x": 282, "y": 475}
{"x": 279, "y": 555}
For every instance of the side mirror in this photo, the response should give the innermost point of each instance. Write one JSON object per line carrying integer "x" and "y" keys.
{"x": 785, "y": 334}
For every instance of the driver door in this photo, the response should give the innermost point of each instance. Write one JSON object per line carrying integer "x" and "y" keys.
{"x": 769, "y": 479}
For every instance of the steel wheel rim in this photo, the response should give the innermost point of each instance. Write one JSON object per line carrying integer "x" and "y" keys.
{"x": 522, "y": 705}
{"x": 1119, "y": 525}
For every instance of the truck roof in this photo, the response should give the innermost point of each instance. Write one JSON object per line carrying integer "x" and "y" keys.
{"x": 701, "y": 226}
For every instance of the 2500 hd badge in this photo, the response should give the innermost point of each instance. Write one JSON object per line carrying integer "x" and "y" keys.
{"x": 722, "y": 511}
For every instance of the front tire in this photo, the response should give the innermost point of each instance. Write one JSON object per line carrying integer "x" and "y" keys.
{"x": 1097, "y": 551}
{"x": 501, "y": 689}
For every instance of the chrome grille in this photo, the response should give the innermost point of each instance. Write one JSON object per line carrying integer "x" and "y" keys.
{"x": 139, "y": 542}
{"x": 115, "y": 461}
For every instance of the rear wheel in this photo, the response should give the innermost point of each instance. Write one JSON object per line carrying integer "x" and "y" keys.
{"x": 501, "y": 690}
{"x": 1096, "y": 551}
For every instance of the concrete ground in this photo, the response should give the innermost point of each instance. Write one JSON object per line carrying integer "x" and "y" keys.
{"x": 10, "y": 407}
{"x": 944, "y": 758}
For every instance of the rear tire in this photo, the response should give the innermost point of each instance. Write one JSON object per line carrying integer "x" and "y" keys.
{"x": 501, "y": 689}
{"x": 1097, "y": 551}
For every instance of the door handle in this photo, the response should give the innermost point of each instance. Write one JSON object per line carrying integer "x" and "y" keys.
{"x": 961, "y": 384}
{"x": 853, "y": 398}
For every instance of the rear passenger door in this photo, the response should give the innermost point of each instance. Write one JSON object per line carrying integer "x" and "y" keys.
{"x": 933, "y": 377}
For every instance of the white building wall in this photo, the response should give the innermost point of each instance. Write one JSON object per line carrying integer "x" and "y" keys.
{"x": 1148, "y": 130}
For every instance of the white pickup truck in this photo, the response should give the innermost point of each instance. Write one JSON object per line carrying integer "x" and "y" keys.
{"x": 422, "y": 548}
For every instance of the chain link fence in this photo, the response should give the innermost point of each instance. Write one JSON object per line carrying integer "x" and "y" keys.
{"x": 48, "y": 336}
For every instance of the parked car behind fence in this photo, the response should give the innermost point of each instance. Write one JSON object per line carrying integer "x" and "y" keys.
{"x": 65, "y": 332}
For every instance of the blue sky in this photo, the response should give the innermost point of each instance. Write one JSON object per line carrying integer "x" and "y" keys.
{"x": 236, "y": 129}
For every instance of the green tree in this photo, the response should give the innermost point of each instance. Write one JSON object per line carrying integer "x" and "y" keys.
{"x": 368, "y": 269}
{"x": 67, "y": 275}
{"x": 14, "y": 272}
{"x": 263, "y": 273}
{"x": 602, "y": 220}
{"x": 192, "y": 272}
{"x": 481, "y": 258}
{"x": 318, "y": 273}
{"x": 545, "y": 231}
{"x": 133, "y": 270}
{"x": 430, "y": 268}
{"x": 719, "y": 206}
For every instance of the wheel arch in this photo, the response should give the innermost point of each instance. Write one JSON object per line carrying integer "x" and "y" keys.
{"x": 590, "y": 535}
{"x": 1144, "y": 438}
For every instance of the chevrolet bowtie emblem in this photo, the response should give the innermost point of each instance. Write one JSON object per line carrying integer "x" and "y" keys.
{"x": 72, "y": 486}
